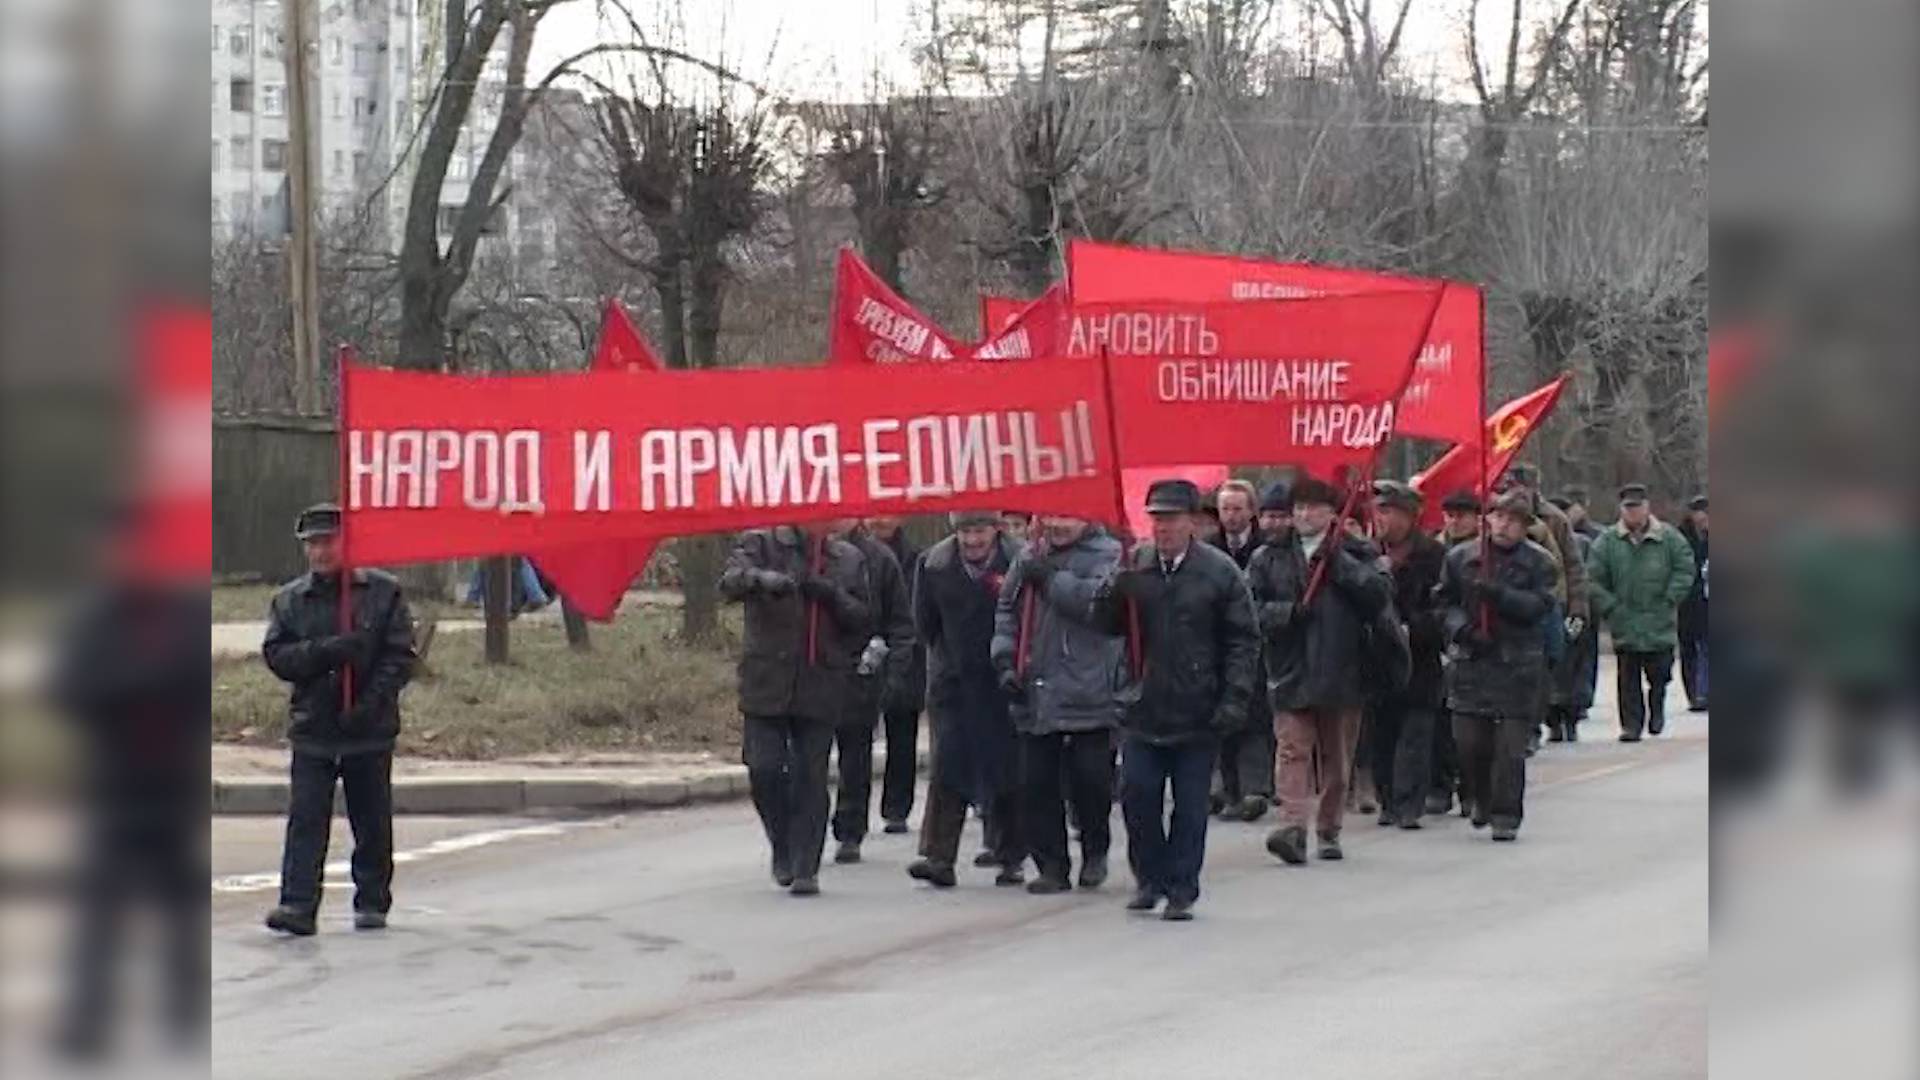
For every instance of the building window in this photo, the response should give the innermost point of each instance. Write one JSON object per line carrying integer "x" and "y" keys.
{"x": 362, "y": 60}
{"x": 216, "y": 156}
{"x": 240, "y": 149}
{"x": 359, "y": 163}
{"x": 240, "y": 205}
{"x": 217, "y": 39}
{"x": 334, "y": 51}
{"x": 457, "y": 167}
{"x": 270, "y": 43}
{"x": 339, "y": 162}
{"x": 240, "y": 95}
{"x": 339, "y": 108}
{"x": 240, "y": 42}
{"x": 360, "y": 112}
{"x": 273, "y": 155}
{"x": 272, "y": 99}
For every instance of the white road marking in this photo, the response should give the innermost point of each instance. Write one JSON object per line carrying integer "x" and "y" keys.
{"x": 340, "y": 871}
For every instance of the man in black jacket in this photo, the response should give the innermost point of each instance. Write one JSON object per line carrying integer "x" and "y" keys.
{"x": 954, "y": 602}
{"x": 1693, "y": 610}
{"x": 1314, "y": 648}
{"x": 906, "y": 691}
{"x": 1245, "y": 773}
{"x": 1460, "y": 512}
{"x": 1495, "y": 612}
{"x": 881, "y": 664}
{"x": 1403, "y": 718}
{"x": 1195, "y": 667}
{"x": 345, "y": 715}
{"x": 808, "y": 616}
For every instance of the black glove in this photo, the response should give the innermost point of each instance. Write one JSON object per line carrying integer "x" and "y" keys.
{"x": 1012, "y": 686}
{"x": 1470, "y": 636}
{"x": 773, "y": 582}
{"x": 819, "y": 588}
{"x": 341, "y": 650}
{"x": 357, "y": 719}
{"x": 1035, "y": 572}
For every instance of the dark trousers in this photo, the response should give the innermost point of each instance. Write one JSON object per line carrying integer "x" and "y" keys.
{"x": 1586, "y": 680}
{"x": 1642, "y": 682}
{"x": 1055, "y": 768}
{"x": 946, "y": 817}
{"x": 1693, "y": 665}
{"x": 1402, "y": 757}
{"x": 1246, "y": 760}
{"x": 1493, "y": 765}
{"x": 786, "y": 760}
{"x": 367, "y": 779}
{"x": 896, "y": 789}
{"x": 1166, "y": 854}
{"x": 1446, "y": 755}
{"x": 855, "y": 790}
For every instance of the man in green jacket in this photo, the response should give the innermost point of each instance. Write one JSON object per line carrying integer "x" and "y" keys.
{"x": 1638, "y": 572}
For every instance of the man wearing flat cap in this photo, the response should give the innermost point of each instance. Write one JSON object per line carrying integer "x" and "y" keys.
{"x": 1552, "y": 531}
{"x": 974, "y": 749}
{"x": 1498, "y": 597}
{"x": 1314, "y": 647}
{"x": 1641, "y": 570}
{"x": 1693, "y": 610}
{"x": 1403, "y": 718}
{"x": 1276, "y": 513}
{"x": 1190, "y": 680}
{"x": 343, "y": 718}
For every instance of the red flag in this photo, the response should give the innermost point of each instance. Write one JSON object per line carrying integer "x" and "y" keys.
{"x": 998, "y": 312}
{"x": 871, "y": 322}
{"x": 594, "y": 577}
{"x": 1441, "y": 402}
{"x": 445, "y": 466}
{"x": 1506, "y": 431}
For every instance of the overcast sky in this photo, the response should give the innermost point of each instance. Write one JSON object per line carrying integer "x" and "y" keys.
{"x": 827, "y": 49}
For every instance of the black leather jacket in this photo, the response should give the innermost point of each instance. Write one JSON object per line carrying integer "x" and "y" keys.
{"x": 305, "y": 647}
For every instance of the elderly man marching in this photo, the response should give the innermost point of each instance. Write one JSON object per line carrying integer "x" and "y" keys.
{"x": 1062, "y": 673}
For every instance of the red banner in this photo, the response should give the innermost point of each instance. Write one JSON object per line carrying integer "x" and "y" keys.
{"x": 998, "y": 312}
{"x": 1308, "y": 382}
{"x": 444, "y": 466}
{"x": 1506, "y": 431}
{"x": 872, "y": 323}
{"x": 1442, "y": 401}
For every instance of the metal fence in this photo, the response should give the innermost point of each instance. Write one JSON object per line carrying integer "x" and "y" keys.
{"x": 265, "y": 471}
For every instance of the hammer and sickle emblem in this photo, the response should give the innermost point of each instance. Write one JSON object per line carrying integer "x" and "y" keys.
{"x": 1510, "y": 431}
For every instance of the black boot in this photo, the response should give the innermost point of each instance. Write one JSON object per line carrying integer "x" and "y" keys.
{"x": 1093, "y": 871}
{"x": 848, "y": 852}
{"x": 936, "y": 874}
{"x": 1144, "y": 899}
{"x": 289, "y": 920}
{"x": 1289, "y": 844}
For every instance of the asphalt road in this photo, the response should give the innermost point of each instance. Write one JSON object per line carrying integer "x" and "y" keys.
{"x": 655, "y": 945}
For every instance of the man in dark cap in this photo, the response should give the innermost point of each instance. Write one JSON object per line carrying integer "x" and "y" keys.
{"x": 906, "y": 691}
{"x": 1460, "y": 523}
{"x": 1276, "y": 512}
{"x": 1186, "y": 606}
{"x": 974, "y": 752}
{"x": 1642, "y": 569}
{"x": 1496, "y": 602}
{"x": 809, "y": 614}
{"x": 1693, "y": 610}
{"x": 1314, "y": 635}
{"x": 1245, "y": 771}
{"x": 343, "y": 718}
{"x": 1552, "y": 530}
{"x": 1578, "y": 504}
{"x": 1403, "y": 718}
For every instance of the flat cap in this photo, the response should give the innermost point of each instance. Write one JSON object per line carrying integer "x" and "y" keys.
{"x": 1515, "y": 504}
{"x": 1173, "y": 497}
{"x": 1698, "y": 502}
{"x": 1461, "y": 502}
{"x": 320, "y": 519}
{"x": 1398, "y": 495}
{"x": 1633, "y": 493}
{"x": 1314, "y": 491}
{"x": 966, "y": 519}
{"x": 1277, "y": 499}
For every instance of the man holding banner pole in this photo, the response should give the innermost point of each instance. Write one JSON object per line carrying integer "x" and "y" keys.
{"x": 808, "y": 616}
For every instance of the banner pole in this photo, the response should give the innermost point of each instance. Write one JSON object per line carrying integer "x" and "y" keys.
{"x": 1483, "y": 482}
{"x": 816, "y": 562}
{"x": 1136, "y": 658}
{"x": 344, "y": 463}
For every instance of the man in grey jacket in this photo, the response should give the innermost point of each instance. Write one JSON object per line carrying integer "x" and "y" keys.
{"x": 1062, "y": 675}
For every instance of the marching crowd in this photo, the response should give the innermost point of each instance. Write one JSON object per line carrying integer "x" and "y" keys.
{"x": 1297, "y": 651}
{"x": 1284, "y": 652}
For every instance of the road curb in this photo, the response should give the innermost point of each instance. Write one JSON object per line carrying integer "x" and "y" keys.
{"x": 457, "y": 795}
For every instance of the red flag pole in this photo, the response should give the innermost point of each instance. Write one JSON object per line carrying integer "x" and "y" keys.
{"x": 1136, "y": 656}
{"x": 817, "y": 562}
{"x": 344, "y": 358}
{"x": 1483, "y": 482}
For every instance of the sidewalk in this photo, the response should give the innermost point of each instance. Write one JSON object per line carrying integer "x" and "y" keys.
{"x": 234, "y": 640}
{"x": 253, "y": 780}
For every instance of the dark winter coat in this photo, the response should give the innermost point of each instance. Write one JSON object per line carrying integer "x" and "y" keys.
{"x": 1417, "y": 567}
{"x": 1693, "y": 610}
{"x": 1241, "y": 556}
{"x": 775, "y": 677}
{"x": 909, "y": 694}
{"x": 1313, "y": 653}
{"x": 954, "y": 616}
{"x": 1198, "y": 644}
{"x": 1494, "y": 627}
{"x": 892, "y": 623}
{"x": 1638, "y": 584}
{"x": 1259, "y": 712}
{"x": 305, "y": 647}
{"x": 1075, "y": 670}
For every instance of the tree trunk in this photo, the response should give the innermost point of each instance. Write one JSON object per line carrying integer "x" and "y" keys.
{"x": 699, "y": 558}
{"x": 498, "y": 598}
{"x": 423, "y": 327}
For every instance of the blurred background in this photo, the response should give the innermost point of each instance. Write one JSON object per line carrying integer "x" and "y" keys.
{"x": 107, "y": 377}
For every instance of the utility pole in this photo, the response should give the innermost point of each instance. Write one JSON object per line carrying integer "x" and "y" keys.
{"x": 302, "y": 264}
